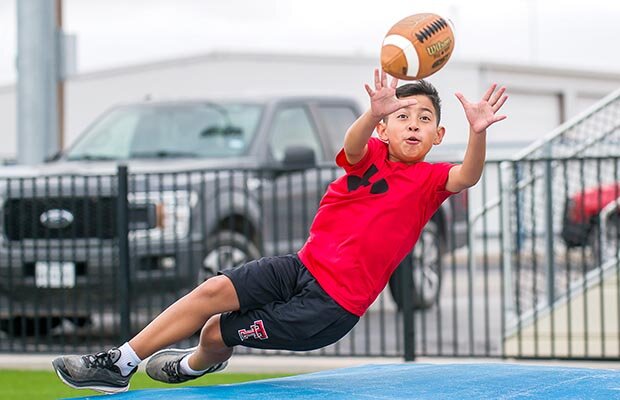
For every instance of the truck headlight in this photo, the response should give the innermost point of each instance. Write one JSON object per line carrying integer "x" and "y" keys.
{"x": 160, "y": 215}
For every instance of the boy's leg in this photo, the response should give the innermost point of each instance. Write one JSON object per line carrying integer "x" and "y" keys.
{"x": 181, "y": 365}
{"x": 103, "y": 372}
{"x": 186, "y": 316}
{"x": 211, "y": 349}
{"x": 259, "y": 284}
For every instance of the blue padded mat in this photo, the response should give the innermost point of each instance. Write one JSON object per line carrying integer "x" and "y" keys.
{"x": 412, "y": 381}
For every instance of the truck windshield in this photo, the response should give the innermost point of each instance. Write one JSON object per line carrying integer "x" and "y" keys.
{"x": 194, "y": 130}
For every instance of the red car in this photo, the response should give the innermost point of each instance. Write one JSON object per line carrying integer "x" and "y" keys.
{"x": 582, "y": 217}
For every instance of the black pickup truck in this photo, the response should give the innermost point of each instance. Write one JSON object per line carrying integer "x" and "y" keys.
{"x": 210, "y": 185}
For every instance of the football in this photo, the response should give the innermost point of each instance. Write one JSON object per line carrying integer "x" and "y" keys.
{"x": 417, "y": 46}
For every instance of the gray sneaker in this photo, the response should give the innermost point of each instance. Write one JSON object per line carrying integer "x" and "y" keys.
{"x": 93, "y": 371}
{"x": 164, "y": 366}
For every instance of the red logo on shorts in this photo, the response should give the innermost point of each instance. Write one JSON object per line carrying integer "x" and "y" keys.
{"x": 256, "y": 331}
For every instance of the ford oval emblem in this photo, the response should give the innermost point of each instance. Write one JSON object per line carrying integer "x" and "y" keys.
{"x": 56, "y": 218}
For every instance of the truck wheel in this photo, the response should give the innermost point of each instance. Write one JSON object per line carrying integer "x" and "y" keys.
{"x": 226, "y": 249}
{"x": 425, "y": 264}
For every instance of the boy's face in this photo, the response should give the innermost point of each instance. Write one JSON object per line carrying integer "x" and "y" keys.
{"x": 411, "y": 131}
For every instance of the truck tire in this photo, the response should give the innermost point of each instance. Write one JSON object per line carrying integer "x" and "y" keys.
{"x": 425, "y": 263}
{"x": 226, "y": 249}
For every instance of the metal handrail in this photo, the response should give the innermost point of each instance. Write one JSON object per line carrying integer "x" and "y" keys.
{"x": 571, "y": 123}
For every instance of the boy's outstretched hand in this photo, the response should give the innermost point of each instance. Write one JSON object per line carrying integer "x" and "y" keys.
{"x": 483, "y": 114}
{"x": 383, "y": 99}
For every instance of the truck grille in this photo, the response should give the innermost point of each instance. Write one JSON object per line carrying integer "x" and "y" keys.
{"x": 93, "y": 217}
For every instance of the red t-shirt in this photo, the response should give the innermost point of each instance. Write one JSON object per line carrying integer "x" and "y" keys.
{"x": 367, "y": 223}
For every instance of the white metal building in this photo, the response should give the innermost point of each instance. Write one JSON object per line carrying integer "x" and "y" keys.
{"x": 540, "y": 98}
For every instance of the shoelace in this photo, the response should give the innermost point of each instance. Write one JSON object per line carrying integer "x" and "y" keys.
{"x": 171, "y": 368}
{"x": 213, "y": 368}
{"x": 99, "y": 360}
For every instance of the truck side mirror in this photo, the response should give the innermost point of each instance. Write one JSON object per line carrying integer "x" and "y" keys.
{"x": 298, "y": 158}
{"x": 54, "y": 157}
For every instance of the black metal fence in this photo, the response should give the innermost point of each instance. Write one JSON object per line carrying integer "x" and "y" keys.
{"x": 86, "y": 261}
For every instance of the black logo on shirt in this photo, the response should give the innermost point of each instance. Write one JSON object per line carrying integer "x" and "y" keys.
{"x": 355, "y": 182}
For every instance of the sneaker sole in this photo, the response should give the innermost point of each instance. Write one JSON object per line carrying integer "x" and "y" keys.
{"x": 100, "y": 389}
{"x": 191, "y": 349}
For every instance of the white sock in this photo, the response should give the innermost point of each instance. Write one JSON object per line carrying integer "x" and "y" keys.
{"x": 186, "y": 369}
{"x": 128, "y": 360}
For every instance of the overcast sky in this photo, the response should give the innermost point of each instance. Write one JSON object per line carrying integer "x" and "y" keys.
{"x": 113, "y": 33}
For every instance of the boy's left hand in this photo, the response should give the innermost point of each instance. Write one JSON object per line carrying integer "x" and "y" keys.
{"x": 483, "y": 114}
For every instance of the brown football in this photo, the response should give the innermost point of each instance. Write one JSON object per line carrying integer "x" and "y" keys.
{"x": 417, "y": 46}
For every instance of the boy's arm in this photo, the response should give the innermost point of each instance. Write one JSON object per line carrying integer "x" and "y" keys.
{"x": 382, "y": 103}
{"x": 356, "y": 139}
{"x": 480, "y": 116}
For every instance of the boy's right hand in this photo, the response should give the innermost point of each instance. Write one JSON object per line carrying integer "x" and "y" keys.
{"x": 383, "y": 99}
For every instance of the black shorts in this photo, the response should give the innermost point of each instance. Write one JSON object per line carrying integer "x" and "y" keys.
{"x": 282, "y": 307}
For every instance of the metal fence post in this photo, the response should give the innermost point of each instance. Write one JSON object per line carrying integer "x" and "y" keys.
{"x": 506, "y": 172}
{"x": 406, "y": 281}
{"x": 549, "y": 245}
{"x": 124, "y": 279}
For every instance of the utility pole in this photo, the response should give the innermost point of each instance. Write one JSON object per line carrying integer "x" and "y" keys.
{"x": 60, "y": 83}
{"x": 38, "y": 76}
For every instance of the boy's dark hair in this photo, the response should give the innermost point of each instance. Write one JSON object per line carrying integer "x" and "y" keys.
{"x": 424, "y": 88}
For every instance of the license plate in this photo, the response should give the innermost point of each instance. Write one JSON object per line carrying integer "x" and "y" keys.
{"x": 54, "y": 274}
